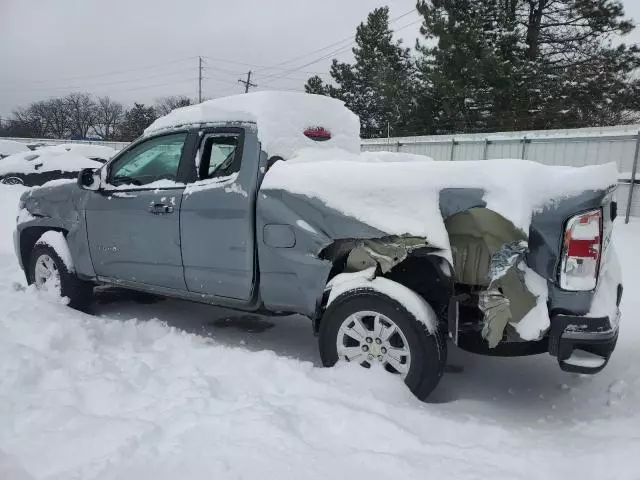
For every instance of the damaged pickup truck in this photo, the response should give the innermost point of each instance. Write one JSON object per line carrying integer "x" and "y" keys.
{"x": 264, "y": 203}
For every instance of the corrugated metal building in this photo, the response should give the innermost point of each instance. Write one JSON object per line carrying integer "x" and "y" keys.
{"x": 575, "y": 147}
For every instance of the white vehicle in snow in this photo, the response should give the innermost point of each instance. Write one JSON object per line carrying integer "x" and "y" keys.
{"x": 9, "y": 147}
{"x": 38, "y": 167}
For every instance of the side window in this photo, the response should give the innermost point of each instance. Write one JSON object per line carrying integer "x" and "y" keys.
{"x": 220, "y": 156}
{"x": 155, "y": 159}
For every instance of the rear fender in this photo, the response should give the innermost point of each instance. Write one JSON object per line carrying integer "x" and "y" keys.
{"x": 405, "y": 260}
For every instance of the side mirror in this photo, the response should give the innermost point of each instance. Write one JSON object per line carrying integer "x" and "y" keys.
{"x": 89, "y": 179}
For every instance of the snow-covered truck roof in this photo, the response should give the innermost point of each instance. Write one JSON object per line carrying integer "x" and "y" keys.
{"x": 282, "y": 118}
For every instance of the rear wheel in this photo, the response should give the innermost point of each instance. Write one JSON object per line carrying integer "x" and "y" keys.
{"x": 49, "y": 274}
{"x": 366, "y": 327}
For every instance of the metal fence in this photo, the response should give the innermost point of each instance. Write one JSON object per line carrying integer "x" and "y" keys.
{"x": 53, "y": 141}
{"x": 575, "y": 147}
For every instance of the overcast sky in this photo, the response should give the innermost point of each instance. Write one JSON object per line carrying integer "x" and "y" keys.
{"x": 139, "y": 50}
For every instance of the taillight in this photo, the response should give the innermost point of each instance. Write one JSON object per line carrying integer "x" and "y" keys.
{"x": 581, "y": 251}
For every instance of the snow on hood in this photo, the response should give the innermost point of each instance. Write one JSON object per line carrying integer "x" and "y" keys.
{"x": 9, "y": 147}
{"x": 402, "y": 196}
{"x": 48, "y": 161}
{"x": 86, "y": 150}
{"x": 281, "y": 118}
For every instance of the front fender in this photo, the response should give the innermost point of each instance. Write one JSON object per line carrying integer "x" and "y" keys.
{"x": 54, "y": 208}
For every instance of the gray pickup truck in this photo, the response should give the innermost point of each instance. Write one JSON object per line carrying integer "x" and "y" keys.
{"x": 187, "y": 211}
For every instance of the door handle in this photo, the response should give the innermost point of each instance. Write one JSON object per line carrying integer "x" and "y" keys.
{"x": 160, "y": 208}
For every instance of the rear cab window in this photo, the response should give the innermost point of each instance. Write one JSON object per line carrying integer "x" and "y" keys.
{"x": 219, "y": 156}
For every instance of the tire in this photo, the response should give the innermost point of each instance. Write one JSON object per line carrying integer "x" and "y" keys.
{"x": 428, "y": 352}
{"x": 12, "y": 181}
{"x": 79, "y": 293}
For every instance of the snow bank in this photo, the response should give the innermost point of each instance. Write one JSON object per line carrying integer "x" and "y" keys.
{"x": 109, "y": 397}
{"x": 281, "y": 118}
{"x": 402, "y": 196}
{"x": 10, "y": 147}
{"x": 37, "y": 162}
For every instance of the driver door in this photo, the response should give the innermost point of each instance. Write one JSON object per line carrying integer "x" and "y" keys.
{"x": 133, "y": 222}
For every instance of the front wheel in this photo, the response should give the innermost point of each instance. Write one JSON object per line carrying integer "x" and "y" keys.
{"x": 49, "y": 273}
{"x": 367, "y": 327}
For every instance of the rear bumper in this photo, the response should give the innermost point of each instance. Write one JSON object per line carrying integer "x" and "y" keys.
{"x": 583, "y": 344}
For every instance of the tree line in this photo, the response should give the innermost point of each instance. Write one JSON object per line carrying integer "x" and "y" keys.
{"x": 477, "y": 66}
{"x": 81, "y": 116}
{"x": 491, "y": 65}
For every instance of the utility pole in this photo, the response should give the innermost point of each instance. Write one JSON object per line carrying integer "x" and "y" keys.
{"x": 199, "y": 79}
{"x": 247, "y": 83}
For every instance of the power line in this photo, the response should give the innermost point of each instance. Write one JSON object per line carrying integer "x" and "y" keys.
{"x": 154, "y": 85}
{"x": 104, "y": 84}
{"x": 199, "y": 79}
{"x": 350, "y": 39}
{"x": 253, "y": 66}
{"x": 107, "y": 74}
{"x": 247, "y": 83}
{"x": 329, "y": 55}
{"x": 135, "y": 80}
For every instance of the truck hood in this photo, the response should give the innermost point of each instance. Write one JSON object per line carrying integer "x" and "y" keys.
{"x": 57, "y": 199}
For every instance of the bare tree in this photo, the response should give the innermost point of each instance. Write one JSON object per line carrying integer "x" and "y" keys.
{"x": 56, "y": 114}
{"x": 26, "y": 122}
{"x": 164, "y": 105}
{"x": 109, "y": 114}
{"x": 82, "y": 113}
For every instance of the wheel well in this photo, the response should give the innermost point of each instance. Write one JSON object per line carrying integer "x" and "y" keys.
{"x": 421, "y": 271}
{"x": 28, "y": 238}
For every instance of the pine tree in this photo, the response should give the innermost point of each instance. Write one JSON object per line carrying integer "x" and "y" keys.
{"x": 592, "y": 80}
{"x": 471, "y": 67}
{"x": 379, "y": 85}
{"x": 516, "y": 64}
{"x": 316, "y": 86}
{"x": 136, "y": 120}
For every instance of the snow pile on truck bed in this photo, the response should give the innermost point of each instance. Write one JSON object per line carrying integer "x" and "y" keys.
{"x": 281, "y": 118}
{"x": 402, "y": 196}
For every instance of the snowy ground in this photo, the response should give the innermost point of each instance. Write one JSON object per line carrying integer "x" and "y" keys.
{"x": 175, "y": 390}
